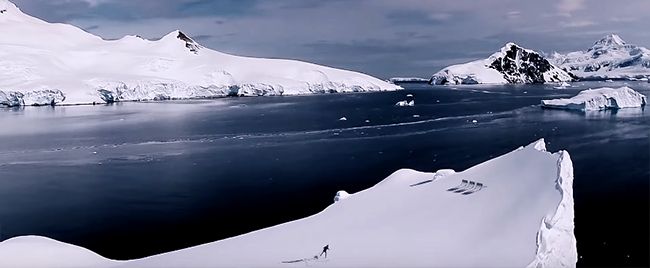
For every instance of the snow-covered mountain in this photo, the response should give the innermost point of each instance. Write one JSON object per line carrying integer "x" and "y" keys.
{"x": 610, "y": 57}
{"x": 45, "y": 63}
{"x": 600, "y": 99}
{"x": 512, "y": 64}
{"x": 515, "y": 210}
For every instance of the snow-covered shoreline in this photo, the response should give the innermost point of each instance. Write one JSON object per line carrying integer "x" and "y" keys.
{"x": 51, "y": 64}
{"x": 408, "y": 219}
{"x": 408, "y": 80}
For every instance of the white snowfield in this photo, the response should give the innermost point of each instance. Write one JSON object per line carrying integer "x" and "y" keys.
{"x": 45, "y": 63}
{"x": 512, "y": 211}
{"x": 514, "y": 69}
{"x": 600, "y": 99}
{"x": 609, "y": 57}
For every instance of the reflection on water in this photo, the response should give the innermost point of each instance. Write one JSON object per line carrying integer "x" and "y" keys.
{"x": 568, "y": 114}
{"x": 620, "y": 113}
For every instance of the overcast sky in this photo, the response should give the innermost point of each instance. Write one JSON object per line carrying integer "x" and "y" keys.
{"x": 384, "y": 38}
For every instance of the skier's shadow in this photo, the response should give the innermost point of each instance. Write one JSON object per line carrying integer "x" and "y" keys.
{"x": 467, "y": 187}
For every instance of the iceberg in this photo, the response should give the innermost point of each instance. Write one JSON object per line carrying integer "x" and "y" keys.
{"x": 610, "y": 57}
{"x": 405, "y": 103}
{"x": 511, "y": 65}
{"x": 515, "y": 210}
{"x": 51, "y": 63}
{"x": 562, "y": 85}
{"x": 599, "y": 99}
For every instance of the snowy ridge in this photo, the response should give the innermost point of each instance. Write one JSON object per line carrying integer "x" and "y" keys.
{"x": 45, "y": 63}
{"x": 609, "y": 57}
{"x": 556, "y": 242}
{"x": 511, "y": 64}
{"x": 409, "y": 219}
{"x": 600, "y": 99}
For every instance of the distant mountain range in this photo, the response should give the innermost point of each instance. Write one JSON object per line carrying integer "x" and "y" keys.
{"x": 512, "y": 64}
{"x": 609, "y": 58}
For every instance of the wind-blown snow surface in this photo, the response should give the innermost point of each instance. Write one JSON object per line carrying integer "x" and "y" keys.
{"x": 521, "y": 216}
{"x": 512, "y": 64}
{"x": 609, "y": 57}
{"x": 45, "y": 63}
{"x": 600, "y": 99}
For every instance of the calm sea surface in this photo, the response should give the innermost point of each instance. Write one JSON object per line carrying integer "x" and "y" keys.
{"x": 134, "y": 179}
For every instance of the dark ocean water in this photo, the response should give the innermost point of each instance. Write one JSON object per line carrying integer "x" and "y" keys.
{"x": 131, "y": 180}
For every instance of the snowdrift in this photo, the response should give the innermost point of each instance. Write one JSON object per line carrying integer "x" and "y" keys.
{"x": 609, "y": 57}
{"x": 512, "y": 64}
{"x": 512, "y": 211}
{"x": 600, "y": 99}
{"x": 45, "y": 63}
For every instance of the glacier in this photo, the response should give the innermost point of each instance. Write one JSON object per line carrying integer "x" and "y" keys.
{"x": 51, "y": 63}
{"x": 512, "y": 64}
{"x": 408, "y": 80}
{"x": 600, "y": 99}
{"x": 610, "y": 57}
{"x": 515, "y": 210}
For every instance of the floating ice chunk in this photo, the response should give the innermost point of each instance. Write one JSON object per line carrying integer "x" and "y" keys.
{"x": 343, "y": 119}
{"x": 416, "y": 115}
{"x": 474, "y": 121}
{"x": 600, "y": 99}
{"x": 562, "y": 85}
{"x": 405, "y": 103}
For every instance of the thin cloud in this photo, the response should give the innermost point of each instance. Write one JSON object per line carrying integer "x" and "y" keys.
{"x": 513, "y": 15}
{"x": 567, "y": 7}
{"x": 577, "y": 24}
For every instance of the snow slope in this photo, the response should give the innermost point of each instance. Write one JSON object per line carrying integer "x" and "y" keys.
{"x": 45, "y": 63}
{"x": 512, "y": 64}
{"x": 609, "y": 57}
{"x": 36, "y": 251}
{"x": 520, "y": 216}
{"x": 600, "y": 99}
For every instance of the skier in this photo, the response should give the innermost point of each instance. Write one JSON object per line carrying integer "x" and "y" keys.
{"x": 325, "y": 249}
